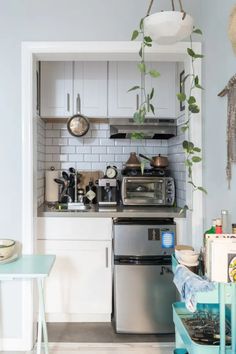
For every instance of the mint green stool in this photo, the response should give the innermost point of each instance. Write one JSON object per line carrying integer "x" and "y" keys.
{"x": 36, "y": 267}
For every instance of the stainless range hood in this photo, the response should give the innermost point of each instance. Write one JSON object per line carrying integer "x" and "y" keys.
{"x": 152, "y": 128}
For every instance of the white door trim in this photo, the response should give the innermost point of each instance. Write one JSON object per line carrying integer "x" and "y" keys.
{"x": 82, "y": 51}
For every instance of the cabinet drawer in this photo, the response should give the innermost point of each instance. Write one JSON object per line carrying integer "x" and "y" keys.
{"x": 74, "y": 228}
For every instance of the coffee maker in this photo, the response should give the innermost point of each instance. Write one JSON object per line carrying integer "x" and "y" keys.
{"x": 107, "y": 192}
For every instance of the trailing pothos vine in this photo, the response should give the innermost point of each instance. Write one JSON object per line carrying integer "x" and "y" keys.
{"x": 192, "y": 152}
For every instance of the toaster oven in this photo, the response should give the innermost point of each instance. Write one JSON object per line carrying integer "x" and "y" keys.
{"x": 148, "y": 191}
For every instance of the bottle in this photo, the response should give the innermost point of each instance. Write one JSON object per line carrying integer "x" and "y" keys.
{"x": 212, "y": 230}
{"x": 218, "y": 226}
{"x": 226, "y": 225}
{"x": 91, "y": 193}
{"x": 234, "y": 229}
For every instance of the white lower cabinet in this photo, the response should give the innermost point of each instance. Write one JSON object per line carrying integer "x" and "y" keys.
{"x": 79, "y": 289}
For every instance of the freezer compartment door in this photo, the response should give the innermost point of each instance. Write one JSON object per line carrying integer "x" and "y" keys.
{"x": 143, "y": 298}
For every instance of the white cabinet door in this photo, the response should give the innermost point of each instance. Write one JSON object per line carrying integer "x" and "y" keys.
{"x": 90, "y": 86}
{"x": 123, "y": 76}
{"x": 80, "y": 286}
{"x": 56, "y": 89}
{"x": 164, "y": 100}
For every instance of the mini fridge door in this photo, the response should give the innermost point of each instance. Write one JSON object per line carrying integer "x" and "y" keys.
{"x": 143, "y": 298}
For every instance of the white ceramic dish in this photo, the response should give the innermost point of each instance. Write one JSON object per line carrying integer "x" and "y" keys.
{"x": 187, "y": 256}
{"x": 10, "y": 259}
{"x": 189, "y": 264}
{"x": 7, "y": 248}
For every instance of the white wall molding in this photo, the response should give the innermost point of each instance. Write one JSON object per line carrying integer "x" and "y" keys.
{"x": 77, "y": 51}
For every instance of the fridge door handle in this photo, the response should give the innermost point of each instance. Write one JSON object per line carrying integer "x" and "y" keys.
{"x": 107, "y": 257}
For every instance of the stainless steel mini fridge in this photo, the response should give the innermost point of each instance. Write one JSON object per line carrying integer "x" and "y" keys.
{"x": 143, "y": 280}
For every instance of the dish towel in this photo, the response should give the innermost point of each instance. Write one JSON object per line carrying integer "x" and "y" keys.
{"x": 189, "y": 284}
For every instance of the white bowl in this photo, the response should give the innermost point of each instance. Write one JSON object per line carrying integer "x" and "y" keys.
{"x": 168, "y": 27}
{"x": 188, "y": 256}
{"x": 7, "y": 248}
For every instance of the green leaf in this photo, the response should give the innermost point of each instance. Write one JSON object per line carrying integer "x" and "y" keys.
{"x": 148, "y": 44}
{"x": 152, "y": 108}
{"x": 148, "y": 39}
{"x": 181, "y": 96}
{"x": 134, "y": 35}
{"x": 191, "y": 182}
{"x": 154, "y": 73}
{"x": 202, "y": 190}
{"x": 196, "y": 149}
{"x": 196, "y": 80}
{"x": 199, "y": 87}
{"x": 191, "y": 52}
{"x": 184, "y": 128}
{"x": 196, "y": 159}
{"x": 151, "y": 94}
{"x": 197, "y": 56}
{"x": 141, "y": 24}
{"x": 140, "y": 53}
{"x": 137, "y": 135}
{"x": 194, "y": 108}
{"x": 142, "y": 67}
{"x": 184, "y": 209}
{"x": 197, "y": 31}
{"x": 191, "y": 100}
{"x": 188, "y": 146}
{"x": 133, "y": 88}
{"x": 188, "y": 163}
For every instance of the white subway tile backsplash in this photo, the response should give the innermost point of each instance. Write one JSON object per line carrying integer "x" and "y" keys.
{"x": 107, "y": 158}
{"x": 76, "y": 157}
{"x": 52, "y": 150}
{"x": 91, "y": 157}
{"x": 52, "y": 133}
{"x": 67, "y": 149}
{"x": 59, "y": 141}
{"x": 96, "y": 150}
{"x": 83, "y": 149}
{"x": 99, "y": 150}
{"x": 107, "y": 142}
{"x": 81, "y": 166}
{"x": 114, "y": 149}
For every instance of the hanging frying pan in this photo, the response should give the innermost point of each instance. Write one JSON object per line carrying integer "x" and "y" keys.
{"x": 78, "y": 125}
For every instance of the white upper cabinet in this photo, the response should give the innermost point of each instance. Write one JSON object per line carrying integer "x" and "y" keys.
{"x": 56, "y": 89}
{"x": 123, "y": 76}
{"x": 90, "y": 88}
{"x": 69, "y": 87}
{"x": 164, "y": 100}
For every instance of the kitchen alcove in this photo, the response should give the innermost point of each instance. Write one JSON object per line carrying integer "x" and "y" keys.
{"x": 86, "y": 51}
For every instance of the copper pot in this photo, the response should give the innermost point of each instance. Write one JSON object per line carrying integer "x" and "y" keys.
{"x": 157, "y": 161}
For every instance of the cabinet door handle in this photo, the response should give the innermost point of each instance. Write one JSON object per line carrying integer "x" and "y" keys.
{"x": 137, "y": 102}
{"x": 78, "y": 103}
{"x": 107, "y": 260}
{"x": 68, "y": 102}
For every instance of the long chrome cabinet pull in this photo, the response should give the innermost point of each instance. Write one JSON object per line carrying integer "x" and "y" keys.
{"x": 107, "y": 261}
{"x": 78, "y": 103}
{"x": 68, "y": 102}
{"x": 137, "y": 102}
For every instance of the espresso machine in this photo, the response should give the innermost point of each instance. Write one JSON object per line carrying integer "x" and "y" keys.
{"x": 107, "y": 192}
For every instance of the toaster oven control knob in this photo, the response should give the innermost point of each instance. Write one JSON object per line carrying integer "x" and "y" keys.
{"x": 169, "y": 200}
{"x": 169, "y": 183}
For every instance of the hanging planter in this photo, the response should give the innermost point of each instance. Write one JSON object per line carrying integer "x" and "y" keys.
{"x": 168, "y": 27}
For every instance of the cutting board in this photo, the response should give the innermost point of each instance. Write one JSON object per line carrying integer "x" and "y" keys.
{"x": 87, "y": 175}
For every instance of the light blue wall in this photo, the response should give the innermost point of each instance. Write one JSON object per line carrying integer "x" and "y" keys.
{"x": 100, "y": 20}
{"x": 219, "y": 66}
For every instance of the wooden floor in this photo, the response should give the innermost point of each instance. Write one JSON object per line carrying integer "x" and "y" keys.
{"x": 117, "y": 348}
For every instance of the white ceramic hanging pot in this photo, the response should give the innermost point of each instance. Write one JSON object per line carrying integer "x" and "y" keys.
{"x": 168, "y": 27}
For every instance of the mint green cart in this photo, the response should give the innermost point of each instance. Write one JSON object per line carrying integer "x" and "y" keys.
{"x": 222, "y": 297}
{"x": 36, "y": 267}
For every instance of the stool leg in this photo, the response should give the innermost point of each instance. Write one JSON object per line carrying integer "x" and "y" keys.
{"x": 42, "y": 311}
{"x": 39, "y": 337}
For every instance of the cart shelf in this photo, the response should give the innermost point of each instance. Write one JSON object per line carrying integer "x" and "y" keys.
{"x": 223, "y": 294}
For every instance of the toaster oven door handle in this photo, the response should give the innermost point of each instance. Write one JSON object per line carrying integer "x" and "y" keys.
{"x": 141, "y": 181}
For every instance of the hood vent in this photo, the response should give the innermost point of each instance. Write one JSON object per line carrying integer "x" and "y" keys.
{"x": 152, "y": 128}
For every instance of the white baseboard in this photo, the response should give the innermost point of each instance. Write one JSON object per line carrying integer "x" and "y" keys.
{"x": 82, "y": 317}
{"x": 13, "y": 344}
